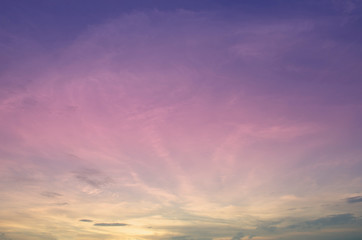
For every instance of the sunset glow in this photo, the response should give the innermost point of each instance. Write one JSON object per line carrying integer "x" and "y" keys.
{"x": 180, "y": 120}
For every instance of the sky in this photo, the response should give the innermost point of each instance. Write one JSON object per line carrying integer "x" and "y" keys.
{"x": 180, "y": 120}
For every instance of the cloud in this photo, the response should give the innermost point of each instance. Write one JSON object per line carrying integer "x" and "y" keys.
{"x": 50, "y": 194}
{"x": 117, "y": 77}
{"x": 93, "y": 177}
{"x": 238, "y": 236}
{"x": 354, "y": 199}
{"x": 329, "y": 221}
{"x": 24, "y": 235}
{"x": 61, "y": 204}
{"x": 110, "y": 224}
{"x": 86, "y": 220}
{"x": 198, "y": 230}
{"x": 182, "y": 238}
{"x": 3, "y": 237}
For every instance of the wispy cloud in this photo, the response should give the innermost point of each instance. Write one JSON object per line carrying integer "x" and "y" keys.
{"x": 211, "y": 123}
{"x": 61, "y": 204}
{"x": 50, "y": 194}
{"x": 93, "y": 177}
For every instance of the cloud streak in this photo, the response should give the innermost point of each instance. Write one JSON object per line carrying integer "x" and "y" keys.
{"x": 329, "y": 221}
{"x": 110, "y": 224}
{"x": 356, "y": 199}
{"x": 93, "y": 177}
{"x": 86, "y": 220}
{"x": 51, "y": 194}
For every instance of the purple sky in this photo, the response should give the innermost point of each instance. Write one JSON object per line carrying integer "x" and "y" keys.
{"x": 180, "y": 120}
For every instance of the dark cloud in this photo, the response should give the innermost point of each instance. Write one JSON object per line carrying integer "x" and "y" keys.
{"x": 182, "y": 238}
{"x": 22, "y": 235}
{"x": 238, "y": 236}
{"x": 110, "y": 224}
{"x": 354, "y": 199}
{"x": 267, "y": 227}
{"x": 333, "y": 220}
{"x": 95, "y": 236}
{"x": 50, "y": 194}
{"x": 93, "y": 177}
{"x": 324, "y": 235}
{"x": 3, "y": 237}
{"x": 204, "y": 231}
{"x": 86, "y": 220}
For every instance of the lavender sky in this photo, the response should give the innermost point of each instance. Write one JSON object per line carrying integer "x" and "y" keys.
{"x": 180, "y": 120}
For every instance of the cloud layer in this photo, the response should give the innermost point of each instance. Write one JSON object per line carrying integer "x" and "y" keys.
{"x": 183, "y": 121}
